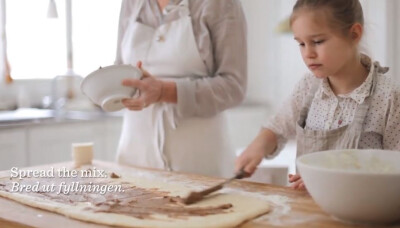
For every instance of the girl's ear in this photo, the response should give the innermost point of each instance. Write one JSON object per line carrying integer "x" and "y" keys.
{"x": 356, "y": 32}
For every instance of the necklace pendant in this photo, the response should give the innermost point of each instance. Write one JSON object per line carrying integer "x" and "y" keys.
{"x": 160, "y": 38}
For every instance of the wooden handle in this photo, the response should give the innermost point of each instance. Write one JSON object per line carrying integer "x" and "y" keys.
{"x": 242, "y": 174}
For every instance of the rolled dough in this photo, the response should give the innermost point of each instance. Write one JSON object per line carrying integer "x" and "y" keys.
{"x": 243, "y": 208}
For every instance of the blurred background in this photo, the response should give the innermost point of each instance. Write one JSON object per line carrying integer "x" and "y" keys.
{"x": 48, "y": 46}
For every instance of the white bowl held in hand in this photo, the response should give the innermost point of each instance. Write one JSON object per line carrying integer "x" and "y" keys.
{"x": 354, "y": 185}
{"x": 104, "y": 86}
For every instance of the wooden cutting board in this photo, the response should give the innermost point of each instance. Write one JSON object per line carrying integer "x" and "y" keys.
{"x": 297, "y": 209}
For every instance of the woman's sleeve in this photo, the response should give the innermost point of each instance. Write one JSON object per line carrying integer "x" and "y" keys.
{"x": 125, "y": 12}
{"x": 226, "y": 87}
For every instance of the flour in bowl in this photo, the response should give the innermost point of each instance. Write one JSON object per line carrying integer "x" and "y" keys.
{"x": 348, "y": 160}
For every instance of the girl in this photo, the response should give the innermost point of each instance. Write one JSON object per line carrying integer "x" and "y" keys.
{"x": 346, "y": 101}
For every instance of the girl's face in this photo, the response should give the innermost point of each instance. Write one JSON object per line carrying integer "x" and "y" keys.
{"x": 324, "y": 50}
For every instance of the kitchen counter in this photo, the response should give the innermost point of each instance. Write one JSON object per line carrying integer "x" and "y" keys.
{"x": 290, "y": 208}
{"x": 31, "y": 116}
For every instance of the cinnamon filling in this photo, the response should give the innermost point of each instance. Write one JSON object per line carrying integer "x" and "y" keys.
{"x": 129, "y": 200}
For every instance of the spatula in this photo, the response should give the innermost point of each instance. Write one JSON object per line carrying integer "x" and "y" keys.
{"x": 196, "y": 196}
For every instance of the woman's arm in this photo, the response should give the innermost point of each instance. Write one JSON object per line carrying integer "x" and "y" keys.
{"x": 220, "y": 31}
{"x": 124, "y": 15}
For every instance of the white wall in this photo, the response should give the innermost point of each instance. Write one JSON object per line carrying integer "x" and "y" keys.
{"x": 393, "y": 37}
{"x": 272, "y": 67}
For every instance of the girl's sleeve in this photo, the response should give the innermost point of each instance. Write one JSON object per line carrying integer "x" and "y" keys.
{"x": 391, "y": 135}
{"x": 284, "y": 122}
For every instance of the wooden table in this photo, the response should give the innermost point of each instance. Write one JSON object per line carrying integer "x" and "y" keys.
{"x": 290, "y": 208}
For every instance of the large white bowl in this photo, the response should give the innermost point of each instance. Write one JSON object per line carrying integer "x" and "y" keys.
{"x": 354, "y": 185}
{"x": 104, "y": 86}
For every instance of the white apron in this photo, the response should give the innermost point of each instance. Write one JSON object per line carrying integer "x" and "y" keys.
{"x": 155, "y": 137}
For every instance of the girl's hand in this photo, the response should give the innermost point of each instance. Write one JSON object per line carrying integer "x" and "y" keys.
{"x": 150, "y": 90}
{"x": 297, "y": 182}
{"x": 249, "y": 160}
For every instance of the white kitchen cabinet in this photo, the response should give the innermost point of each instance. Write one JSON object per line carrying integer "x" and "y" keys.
{"x": 112, "y": 134}
{"x": 52, "y": 143}
{"x": 245, "y": 123}
{"x": 33, "y": 144}
{"x": 13, "y": 151}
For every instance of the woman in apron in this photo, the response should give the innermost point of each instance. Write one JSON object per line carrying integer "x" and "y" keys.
{"x": 193, "y": 54}
{"x": 347, "y": 102}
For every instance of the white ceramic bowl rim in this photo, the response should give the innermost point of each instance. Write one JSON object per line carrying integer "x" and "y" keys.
{"x": 336, "y": 170}
{"x": 94, "y": 73}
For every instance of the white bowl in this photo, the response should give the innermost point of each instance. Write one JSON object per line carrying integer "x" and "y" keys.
{"x": 104, "y": 86}
{"x": 354, "y": 185}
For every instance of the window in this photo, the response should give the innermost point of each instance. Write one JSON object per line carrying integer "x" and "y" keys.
{"x": 37, "y": 45}
{"x": 95, "y": 27}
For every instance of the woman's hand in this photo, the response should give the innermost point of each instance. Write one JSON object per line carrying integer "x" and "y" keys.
{"x": 297, "y": 182}
{"x": 150, "y": 90}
